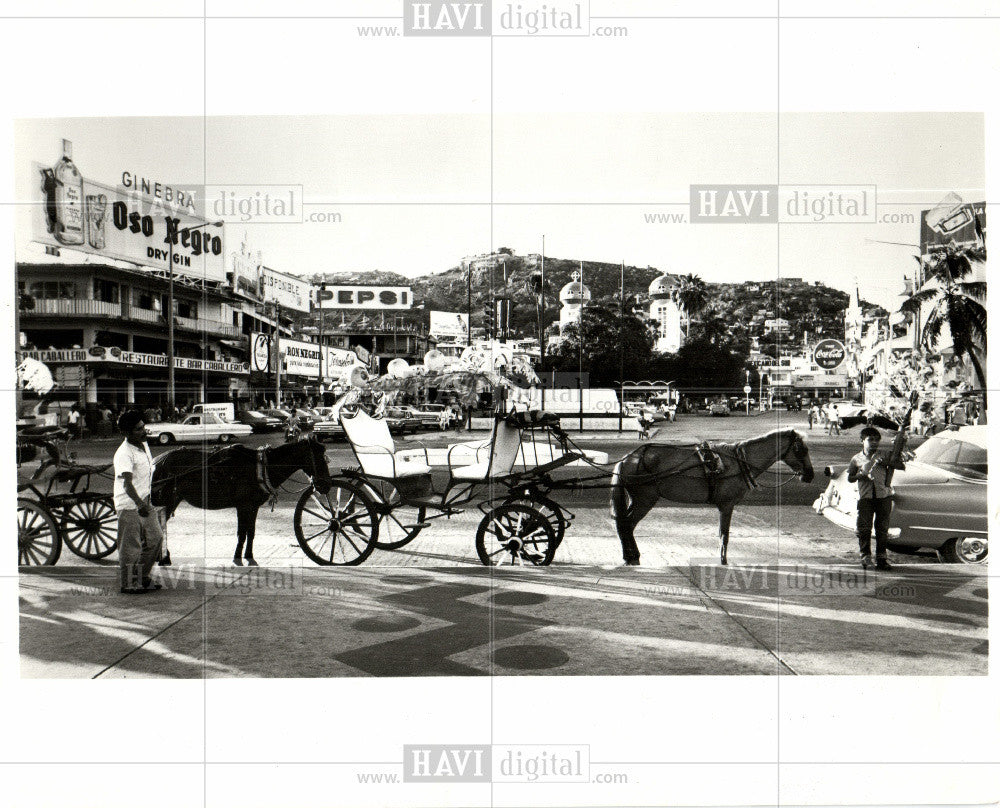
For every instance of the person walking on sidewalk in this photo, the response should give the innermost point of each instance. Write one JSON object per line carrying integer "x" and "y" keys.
{"x": 139, "y": 534}
{"x": 872, "y": 472}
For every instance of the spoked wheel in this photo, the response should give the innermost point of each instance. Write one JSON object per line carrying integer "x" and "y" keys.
{"x": 90, "y": 528}
{"x": 515, "y": 534}
{"x": 553, "y": 514}
{"x": 38, "y": 539}
{"x": 338, "y": 527}
{"x": 402, "y": 523}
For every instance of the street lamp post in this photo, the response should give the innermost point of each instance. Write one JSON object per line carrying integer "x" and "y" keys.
{"x": 171, "y": 386}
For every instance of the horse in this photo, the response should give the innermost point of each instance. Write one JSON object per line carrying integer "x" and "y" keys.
{"x": 235, "y": 477}
{"x": 680, "y": 473}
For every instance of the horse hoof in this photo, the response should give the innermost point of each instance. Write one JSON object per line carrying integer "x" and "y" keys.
{"x": 252, "y": 563}
{"x": 632, "y": 563}
{"x": 238, "y": 561}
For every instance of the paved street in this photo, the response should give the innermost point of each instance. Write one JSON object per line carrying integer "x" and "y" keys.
{"x": 793, "y": 599}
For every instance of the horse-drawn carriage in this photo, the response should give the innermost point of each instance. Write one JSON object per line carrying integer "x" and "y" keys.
{"x": 55, "y": 505}
{"x": 390, "y": 497}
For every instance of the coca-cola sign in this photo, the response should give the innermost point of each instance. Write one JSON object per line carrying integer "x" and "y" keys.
{"x": 829, "y": 354}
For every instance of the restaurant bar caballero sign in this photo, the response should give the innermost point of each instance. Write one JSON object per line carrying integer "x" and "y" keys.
{"x": 77, "y": 356}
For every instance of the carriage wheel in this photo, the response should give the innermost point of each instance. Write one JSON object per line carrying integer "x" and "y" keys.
{"x": 90, "y": 528}
{"x": 403, "y": 522}
{"x": 38, "y": 539}
{"x": 338, "y": 527}
{"x": 515, "y": 534}
{"x": 550, "y": 509}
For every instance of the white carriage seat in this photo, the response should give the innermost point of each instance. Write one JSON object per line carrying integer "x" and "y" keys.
{"x": 376, "y": 451}
{"x": 504, "y": 449}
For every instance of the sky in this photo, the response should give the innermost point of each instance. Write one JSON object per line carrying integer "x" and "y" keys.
{"x": 416, "y": 193}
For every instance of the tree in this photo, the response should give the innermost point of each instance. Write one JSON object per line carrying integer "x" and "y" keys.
{"x": 693, "y": 296}
{"x": 605, "y": 334}
{"x": 954, "y": 302}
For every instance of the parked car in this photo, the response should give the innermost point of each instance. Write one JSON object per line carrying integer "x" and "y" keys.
{"x": 939, "y": 501}
{"x": 718, "y": 408}
{"x": 849, "y": 409}
{"x": 283, "y": 415}
{"x": 424, "y": 419}
{"x": 437, "y": 415}
{"x": 401, "y": 420}
{"x": 327, "y": 426}
{"x": 258, "y": 421}
{"x": 198, "y": 428}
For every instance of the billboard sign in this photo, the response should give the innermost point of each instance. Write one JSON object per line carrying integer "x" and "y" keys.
{"x": 123, "y": 224}
{"x": 364, "y": 297}
{"x": 449, "y": 324}
{"x": 829, "y": 354}
{"x": 300, "y": 358}
{"x": 952, "y": 221}
{"x": 117, "y": 356}
{"x": 288, "y": 291}
{"x": 260, "y": 353}
{"x": 246, "y": 273}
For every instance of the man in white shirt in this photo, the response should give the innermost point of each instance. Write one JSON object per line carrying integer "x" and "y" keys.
{"x": 139, "y": 535}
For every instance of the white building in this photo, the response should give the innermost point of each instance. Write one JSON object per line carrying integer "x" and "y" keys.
{"x": 573, "y": 296}
{"x": 665, "y": 310}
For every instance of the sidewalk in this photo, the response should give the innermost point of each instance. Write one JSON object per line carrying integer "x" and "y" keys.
{"x": 213, "y": 620}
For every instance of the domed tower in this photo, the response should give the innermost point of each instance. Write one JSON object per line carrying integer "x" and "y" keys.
{"x": 574, "y": 296}
{"x": 665, "y": 309}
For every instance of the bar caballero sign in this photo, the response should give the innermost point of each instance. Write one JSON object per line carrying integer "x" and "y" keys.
{"x": 78, "y": 356}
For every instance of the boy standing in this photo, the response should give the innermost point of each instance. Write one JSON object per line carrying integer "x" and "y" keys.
{"x": 139, "y": 535}
{"x": 872, "y": 473}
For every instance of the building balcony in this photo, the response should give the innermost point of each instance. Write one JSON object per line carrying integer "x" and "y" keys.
{"x": 75, "y": 308}
{"x": 86, "y": 307}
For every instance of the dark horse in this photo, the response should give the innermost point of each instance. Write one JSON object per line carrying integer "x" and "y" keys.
{"x": 235, "y": 477}
{"x": 681, "y": 473}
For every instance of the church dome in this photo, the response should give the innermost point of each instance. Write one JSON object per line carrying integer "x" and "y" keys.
{"x": 660, "y": 288}
{"x": 574, "y": 292}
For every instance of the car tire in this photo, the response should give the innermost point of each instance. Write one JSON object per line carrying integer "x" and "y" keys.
{"x": 165, "y": 439}
{"x": 965, "y": 550}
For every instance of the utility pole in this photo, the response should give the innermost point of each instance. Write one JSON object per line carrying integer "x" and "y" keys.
{"x": 322, "y": 350}
{"x": 468, "y": 308}
{"x": 621, "y": 356}
{"x": 276, "y": 346}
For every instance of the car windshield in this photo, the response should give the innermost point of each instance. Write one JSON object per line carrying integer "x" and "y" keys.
{"x": 951, "y": 454}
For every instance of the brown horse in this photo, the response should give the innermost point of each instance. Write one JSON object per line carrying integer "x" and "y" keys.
{"x": 680, "y": 473}
{"x": 235, "y": 477}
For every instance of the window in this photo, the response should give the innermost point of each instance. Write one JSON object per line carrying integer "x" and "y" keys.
{"x": 186, "y": 309}
{"x": 52, "y": 290}
{"x": 106, "y": 291}
{"x": 145, "y": 300}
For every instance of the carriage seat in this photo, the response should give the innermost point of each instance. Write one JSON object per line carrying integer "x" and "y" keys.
{"x": 376, "y": 451}
{"x": 504, "y": 447}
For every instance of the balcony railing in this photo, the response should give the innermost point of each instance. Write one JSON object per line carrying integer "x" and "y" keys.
{"x": 77, "y": 308}
{"x": 99, "y": 308}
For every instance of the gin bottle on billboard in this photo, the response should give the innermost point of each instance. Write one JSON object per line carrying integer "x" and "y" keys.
{"x": 66, "y": 192}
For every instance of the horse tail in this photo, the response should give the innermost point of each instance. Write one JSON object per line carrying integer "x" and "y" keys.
{"x": 620, "y": 499}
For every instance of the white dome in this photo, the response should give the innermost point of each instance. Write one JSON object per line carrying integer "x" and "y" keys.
{"x": 574, "y": 292}
{"x": 661, "y": 287}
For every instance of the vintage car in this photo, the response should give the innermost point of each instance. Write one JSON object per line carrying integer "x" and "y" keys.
{"x": 401, "y": 420}
{"x": 718, "y": 408}
{"x": 197, "y": 428}
{"x": 939, "y": 501}
{"x": 437, "y": 415}
{"x": 258, "y": 421}
{"x": 327, "y": 426}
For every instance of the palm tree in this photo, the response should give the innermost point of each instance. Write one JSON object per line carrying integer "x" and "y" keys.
{"x": 693, "y": 296}
{"x": 954, "y": 301}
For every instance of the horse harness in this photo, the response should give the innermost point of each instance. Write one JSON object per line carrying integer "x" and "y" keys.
{"x": 264, "y": 478}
